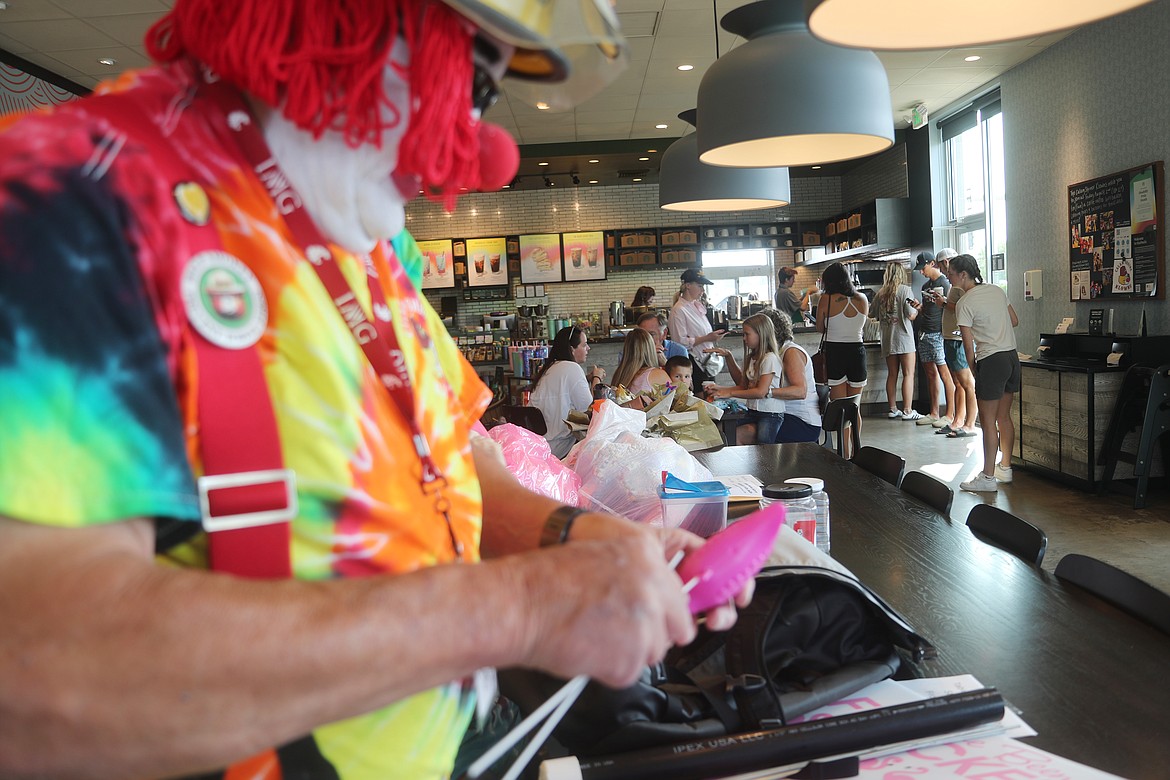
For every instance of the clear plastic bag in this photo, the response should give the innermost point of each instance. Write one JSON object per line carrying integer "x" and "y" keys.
{"x": 620, "y": 470}
{"x": 533, "y": 464}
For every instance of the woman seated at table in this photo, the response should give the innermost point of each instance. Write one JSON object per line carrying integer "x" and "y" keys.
{"x": 798, "y": 390}
{"x": 754, "y": 383}
{"x": 638, "y": 369}
{"x": 561, "y": 386}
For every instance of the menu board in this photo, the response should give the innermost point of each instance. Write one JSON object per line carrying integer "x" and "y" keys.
{"x": 487, "y": 262}
{"x": 1114, "y": 225}
{"x": 438, "y": 264}
{"x": 540, "y": 258}
{"x": 584, "y": 256}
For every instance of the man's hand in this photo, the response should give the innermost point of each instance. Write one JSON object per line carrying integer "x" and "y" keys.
{"x": 606, "y": 608}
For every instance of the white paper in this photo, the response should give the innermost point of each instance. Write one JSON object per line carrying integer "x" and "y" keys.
{"x": 743, "y": 487}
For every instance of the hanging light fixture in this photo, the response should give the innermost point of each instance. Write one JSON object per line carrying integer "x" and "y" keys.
{"x": 685, "y": 184}
{"x": 948, "y": 24}
{"x": 785, "y": 98}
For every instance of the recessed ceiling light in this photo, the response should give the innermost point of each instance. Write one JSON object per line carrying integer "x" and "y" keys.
{"x": 686, "y": 67}
{"x": 635, "y": 180}
{"x": 972, "y": 58}
{"x": 651, "y": 151}
{"x": 643, "y": 159}
{"x": 816, "y": 167}
{"x": 595, "y": 161}
{"x": 507, "y": 187}
{"x": 542, "y": 106}
{"x": 593, "y": 181}
{"x": 107, "y": 61}
{"x": 542, "y": 163}
{"x": 659, "y": 127}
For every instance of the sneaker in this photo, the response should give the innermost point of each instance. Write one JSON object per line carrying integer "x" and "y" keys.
{"x": 1003, "y": 473}
{"x": 980, "y": 483}
{"x": 926, "y": 420}
{"x": 894, "y": 414}
{"x": 942, "y": 422}
{"x": 911, "y": 415}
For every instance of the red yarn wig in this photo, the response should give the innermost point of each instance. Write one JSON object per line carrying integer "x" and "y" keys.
{"x": 322, "y": 61}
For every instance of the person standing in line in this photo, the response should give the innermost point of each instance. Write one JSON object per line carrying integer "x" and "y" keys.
{"x": 798, "y": 389}
{"x": 787, "y": 300}
{"x": 754, "y": 383}
{"x": 930, "y": 340}
{"x": 562, "y": 386}
{"x": 896, "y": 311}
{"x": 690, "y": 327}
{"x": 962, "y": 423}
{"x": 986, "y": 320}
{"x": 841, "y": 316}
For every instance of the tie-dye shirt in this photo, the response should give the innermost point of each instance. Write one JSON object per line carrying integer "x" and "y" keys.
{"x": 98, "y": 377}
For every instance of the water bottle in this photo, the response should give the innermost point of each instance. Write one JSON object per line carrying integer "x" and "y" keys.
{"x": 821, "y": 499}
{"x": 800, "y": 510}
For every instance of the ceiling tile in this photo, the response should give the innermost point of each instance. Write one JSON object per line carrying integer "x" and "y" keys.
{"x": 942, "y": 76}
{"x": 93, "y": 8}
{"x": 86, "y": 60}
{"x": 13, "y": 45}
{"x": 130, "y": 29}
{"x": 25, "y": 11}
{"x": 897, "y": 76}
{"x": 675, "y": 24}
{"x": 58, "y": 35}
{"x": 908, "y": 59}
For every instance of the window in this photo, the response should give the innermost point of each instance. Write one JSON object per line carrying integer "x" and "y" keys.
{"x": 739, "y": 272}
{"x": 973, "y": 159}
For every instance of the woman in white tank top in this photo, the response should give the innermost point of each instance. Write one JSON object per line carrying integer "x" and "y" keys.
{"x": 841, "y": 316}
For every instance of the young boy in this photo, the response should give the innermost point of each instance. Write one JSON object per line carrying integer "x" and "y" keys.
{"x": 679, "y": 370}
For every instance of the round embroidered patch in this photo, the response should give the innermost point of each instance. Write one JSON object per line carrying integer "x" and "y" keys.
{"x": 224, "y": 300}
{"x": 193, "y": 203}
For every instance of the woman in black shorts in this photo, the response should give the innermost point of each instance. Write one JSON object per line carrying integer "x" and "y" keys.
{"x": 841, "y": 316}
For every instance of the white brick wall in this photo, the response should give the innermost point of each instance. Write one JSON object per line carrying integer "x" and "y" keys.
{"x": 571, "y": 209}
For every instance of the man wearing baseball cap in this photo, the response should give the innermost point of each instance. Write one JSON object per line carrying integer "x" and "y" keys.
{"x": 302, "y": 456}
{"x": 930, "y": 339}
{"x": 690, "y": 327}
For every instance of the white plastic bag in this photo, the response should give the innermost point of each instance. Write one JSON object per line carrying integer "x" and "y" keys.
{"x": 620, "y": 470}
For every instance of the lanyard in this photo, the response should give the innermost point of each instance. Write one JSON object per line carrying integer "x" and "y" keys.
{"x": 377, "y": 338}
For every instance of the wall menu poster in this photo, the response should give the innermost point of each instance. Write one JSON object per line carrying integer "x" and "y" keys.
{"x": 540, "y": 258}
{"x": 584, "y": 256}
{"x": 438, "y": 264}
{"x": 487, "y": 262}
{"x": 1114, "y": 225}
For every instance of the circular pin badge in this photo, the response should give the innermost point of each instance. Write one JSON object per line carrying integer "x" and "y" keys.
{"x": 192, "y": 202}
{"x": 224, "y": 300}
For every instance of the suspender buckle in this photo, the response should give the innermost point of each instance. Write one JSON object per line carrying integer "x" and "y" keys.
{"x": 239, "y": 484}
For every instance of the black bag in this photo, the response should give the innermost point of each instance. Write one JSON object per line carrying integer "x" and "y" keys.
{"x": 811, "y": 636}
{"x": 820, "y": 370}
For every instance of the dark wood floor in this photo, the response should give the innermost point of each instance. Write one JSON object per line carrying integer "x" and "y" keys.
{"x": 1108, "y": 527}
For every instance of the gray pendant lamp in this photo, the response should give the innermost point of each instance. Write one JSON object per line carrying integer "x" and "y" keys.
{"x": 949, "y": 24}
{"x": 685, "y": 184}
{"x": 785, "y": 98}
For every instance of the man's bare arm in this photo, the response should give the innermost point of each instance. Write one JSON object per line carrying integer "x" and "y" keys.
{"x": 113, "y": 666}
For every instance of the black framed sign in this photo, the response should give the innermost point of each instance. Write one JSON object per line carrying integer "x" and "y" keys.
{"x": 1115, "y": 242}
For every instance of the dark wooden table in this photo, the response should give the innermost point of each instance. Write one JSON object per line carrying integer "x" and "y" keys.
{"x": 1094, "y": 682}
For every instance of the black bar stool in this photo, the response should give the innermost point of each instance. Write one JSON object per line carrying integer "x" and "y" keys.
{"x": 1143, "y": 402}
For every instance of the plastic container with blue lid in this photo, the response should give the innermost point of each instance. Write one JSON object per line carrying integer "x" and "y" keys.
{"x": 698, "y": 507}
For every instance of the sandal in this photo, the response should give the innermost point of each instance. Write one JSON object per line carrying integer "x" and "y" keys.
{"x": 944, "y": 430}
{"x": 960, "y": 434}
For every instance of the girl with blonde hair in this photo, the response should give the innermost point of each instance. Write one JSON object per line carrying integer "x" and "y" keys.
{"x": 638, "y": 369}
{"x": 896, "y": 310}
{"x": 762, "y": 371}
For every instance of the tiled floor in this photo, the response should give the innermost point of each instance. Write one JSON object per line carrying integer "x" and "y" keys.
{"x": 1108, "y": 527}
